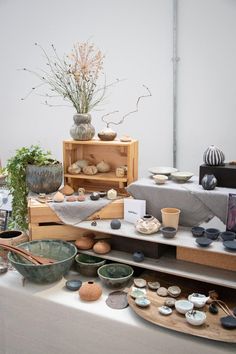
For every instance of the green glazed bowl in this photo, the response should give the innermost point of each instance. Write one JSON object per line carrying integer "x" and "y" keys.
{"x": 63, "y": 252}
{"x": 88, "y": 265}
{"x": 115, "y": 275}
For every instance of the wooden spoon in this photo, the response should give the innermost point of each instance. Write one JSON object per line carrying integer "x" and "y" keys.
{"x": 28, "y": 255}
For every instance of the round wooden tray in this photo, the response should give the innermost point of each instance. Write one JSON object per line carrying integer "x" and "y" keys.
{"x": 211, "y": 329}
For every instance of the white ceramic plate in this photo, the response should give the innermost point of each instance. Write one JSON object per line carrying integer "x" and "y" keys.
{"x": 162, "y": 170}
{"x": 182, "y": 176}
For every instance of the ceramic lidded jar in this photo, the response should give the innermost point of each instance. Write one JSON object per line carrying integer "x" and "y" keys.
{"x": 148, "y": 224}
{"x": 209, "y": 182}
{"x": 213, "y": 156}
{"x": 82, "y": 128}
{"x": 90, "y": 291}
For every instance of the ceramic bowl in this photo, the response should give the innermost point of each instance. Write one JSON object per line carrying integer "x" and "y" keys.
{"x": 198, "y": 300}
{"x": 88, "y": 265}
{"x": 195, "y": 318}
{"x": 142, "y": 301}
{"x": 230, "y": 245}
{"x": 198, "y": 231}
{"x": 227, "y": 235}
{"x": 162, "y": 170}
{"x": 183, "y": 306}
{"x": 168, "y": 231}
{"x": 212, "y": 233}
{"x": 182, "y": 176}
{"x": 160, "y": 179}
{"x": 115, "y": 275}
{"x": 63, "y": 252}
{"x": 203, "y": 241}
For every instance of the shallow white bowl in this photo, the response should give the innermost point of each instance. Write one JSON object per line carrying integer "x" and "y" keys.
{"x": 195, "y": 318}
{"x": 160, "y": 179}
{"x": 183, "y": 306}
{"x": 182, "y": 176}
{"x": 162, "y": 170}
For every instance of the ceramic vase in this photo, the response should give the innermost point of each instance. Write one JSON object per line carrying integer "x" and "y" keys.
{"x": 213, "y": 156}
{"x": 82, "y": 128}
{"x": 90, "y": 291}
{"x": 209, "y": 182}
{"x": 138, "y": 256}
{"x": 102, "y": 247}
{"x": 85, "y": 242}
{"x": 147, "y": 225}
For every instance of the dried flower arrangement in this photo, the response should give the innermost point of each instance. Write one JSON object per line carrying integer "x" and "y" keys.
{"x": 74, "y": 77}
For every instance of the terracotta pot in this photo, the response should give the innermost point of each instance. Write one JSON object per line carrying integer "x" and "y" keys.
{"x": 12, "y": 238}
{"x": 85, "y": 242}
{"x": 102, "y": 247}
{"x": 90, "y": 291}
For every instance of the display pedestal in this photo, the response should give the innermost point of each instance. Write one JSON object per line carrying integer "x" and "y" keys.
{"x": 225, "y": 175}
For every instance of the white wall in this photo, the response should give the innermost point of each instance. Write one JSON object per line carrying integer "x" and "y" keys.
{"x": 136, "y": 36}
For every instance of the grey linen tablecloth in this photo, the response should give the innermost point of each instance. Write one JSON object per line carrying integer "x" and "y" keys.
{"x": 72, "y": 213}
{"x": 196, "y": 204}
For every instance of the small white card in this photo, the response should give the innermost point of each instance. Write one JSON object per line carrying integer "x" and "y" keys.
{"x": 134, "y": 209}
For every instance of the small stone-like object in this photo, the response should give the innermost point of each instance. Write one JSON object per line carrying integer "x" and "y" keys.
{"x": 165, "y": 310}
{"x": 170, "y": 302}
{"x": 115, "y": 224}
{"x": 102, "y": 247}
{"x": 174, "y": 291}
{"x": 103, "y": 167}
{"x": 162, "y": 291}
{"x": 213, "y": 309}
{"x": 67, "y": 190}
{"x": 138, "y": 256}
{"x": 112, "y": 194}
{"x": 71, "y": 198}
{"x": 58, "y": 197}
{"x": 90, "y": 291}
{"x": 153, "y": 285}
{"x": 94, "y": 196}
{"x": 90, "y": 170}
{"x": 81, "y": 198}
{"x": 102, "y": 194}
{"x": 74, "y": 169}
{"x": 140, "y": 283}
{"x": 94, "y": 223}
{"x": 73, "y": 284}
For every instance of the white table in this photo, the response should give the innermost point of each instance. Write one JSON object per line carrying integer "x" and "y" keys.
{"x": 48, "y": 319}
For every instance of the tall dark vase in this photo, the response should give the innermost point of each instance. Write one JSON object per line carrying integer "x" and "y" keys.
{"x": 82, "y": 128}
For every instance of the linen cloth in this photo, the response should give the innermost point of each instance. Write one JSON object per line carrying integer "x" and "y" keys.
{"x": 196, "y": 204}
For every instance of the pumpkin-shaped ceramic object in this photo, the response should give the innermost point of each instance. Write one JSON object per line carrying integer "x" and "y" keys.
{"x": 90, "y": 170}
{"x": 209, "y": 182}
{"x": 74, "y": 169}
{"x": 102, "y": 247}
{"x": 103, "y": 167}
{"x": 90, "y": 291}
{"x": 213, "y": 156}
{"x": 85, "y": 242}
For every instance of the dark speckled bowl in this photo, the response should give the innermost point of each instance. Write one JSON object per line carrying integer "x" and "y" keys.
{"x": 63, "y": 252}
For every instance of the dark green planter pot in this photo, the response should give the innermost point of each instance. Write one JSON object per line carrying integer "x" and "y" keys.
{"x": 44, "y": 179}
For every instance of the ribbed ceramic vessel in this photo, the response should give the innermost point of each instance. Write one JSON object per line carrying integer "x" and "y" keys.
{"x": 209, "y": 182}
{"x": 82, "y": 128}
{"x": 213, "y": 156}
{"x": 44, "y": 179}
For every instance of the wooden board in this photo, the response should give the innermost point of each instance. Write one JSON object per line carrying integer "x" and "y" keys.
{"x": 211, "y": 329}
{"x": 223, "y": 260}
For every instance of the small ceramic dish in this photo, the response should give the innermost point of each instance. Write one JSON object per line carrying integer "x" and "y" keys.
{"x": 230, "y": 245}
{"x": 228, "y": 322}
{"x": 183, "y": 306}
{"x": 140, "y": 283}
{"x": 160, "y": 179}
{"x": 174, "y": 291}
{"x": 153, "y": 285}
{"x": 136, "y": 293}
{"x": 165, "y": 310}
{"x": 162, "y": 170}
{"x": 73, "y": 284}
{"x": 182, "y": 176}
{"x": 198, "y": 231}
{"x": 142, "y": 302}
{"x": 168, "y": 231}
{"x": 198, "y": 300}
{"x": 212, "y": 233}
{"x": 227, "y": 235}
{"x": 203, "y": 241}
{"x": 195, "y": 318}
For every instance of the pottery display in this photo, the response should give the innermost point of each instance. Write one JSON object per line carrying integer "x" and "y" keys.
{"x": 170, "y": 217}
{"x": 94, "y": 196}
{"x": 212, "y": 233}
{"x": 198, "y": 300}
{"x": 111, "y": 194}
{"x": 115, "y": 224}
{"x": 227, "y": 235}
{"x": 85, "y": 242}
{"x": 82, "y": 128}
{"x": 160, "y": 179}
{"x": 102, "y": 247}
{"x": 73, "y": 284}
{"x": 103, "y": 167}
{"x": 168, "y": 231}
{"x": 138, "y": 256}
{"x": 142, "y": 302}
{"x": 148, "y": 224}
{"x": 140, "y": 282}
{"x": 66, "y": 190}
{"x": 90, "y": 170}
{"x": 88, "y": 265}
{"x": 183, "y": 306}
{"x": 203, "y": 241}
{"x": 90, "y": 291}
{"x": 209, "y": 182}
{"x": 58, "y": 197}
{"x": 107, "y": 134}
{"x": 197, "y": 231}
{"x": 213, "y": 156}
{"x": 195, "y": 318}
{"x": 165, "y": 310}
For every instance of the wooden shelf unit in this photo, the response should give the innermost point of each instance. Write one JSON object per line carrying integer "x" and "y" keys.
{"x": 116, "y": 153}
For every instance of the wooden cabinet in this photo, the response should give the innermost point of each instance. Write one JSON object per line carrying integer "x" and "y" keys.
{"x": 116, "y": 153}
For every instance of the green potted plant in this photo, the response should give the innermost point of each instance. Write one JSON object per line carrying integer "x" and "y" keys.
{"x": 30, "y": 169}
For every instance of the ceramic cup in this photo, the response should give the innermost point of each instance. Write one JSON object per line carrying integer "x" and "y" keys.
{"x": 170, "y": 217}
